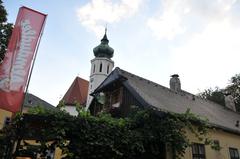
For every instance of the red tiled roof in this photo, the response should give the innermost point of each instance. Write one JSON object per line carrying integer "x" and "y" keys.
{"x": 77, "y": 92}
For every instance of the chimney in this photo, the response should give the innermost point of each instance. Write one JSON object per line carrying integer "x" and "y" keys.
{"x": 175, "y": 83}
{"x": 229, "y": 102}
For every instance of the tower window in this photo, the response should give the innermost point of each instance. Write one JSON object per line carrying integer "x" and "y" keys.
{"x": 107, "y": 69}
{"x": 100, "y": 69}
{"x": 93, "y": 68}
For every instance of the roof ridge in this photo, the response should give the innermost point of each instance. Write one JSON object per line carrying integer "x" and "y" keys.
{"x": 81, "y": 78}
{"x": 154, "y": 83}
{"x": 42, "y": 101}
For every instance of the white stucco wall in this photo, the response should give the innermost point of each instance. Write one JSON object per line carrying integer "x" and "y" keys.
{"x": 71, "y": 110}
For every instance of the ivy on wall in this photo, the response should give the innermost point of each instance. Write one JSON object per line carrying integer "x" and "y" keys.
{"x": 144, "y": 134}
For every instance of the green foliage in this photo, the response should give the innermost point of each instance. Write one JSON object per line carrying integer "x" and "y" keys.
{"x": 143, "y": 134}
{"x": 217, "y": 95}
{"x": 61, "y": 104}
{"x": 37, "y": 110}
{"x": 79, "y": 108}
{"x": 5, "y": 31}
{"x": 234, "y": 89}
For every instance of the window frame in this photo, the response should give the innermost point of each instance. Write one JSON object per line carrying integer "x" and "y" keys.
{"x": 107, "y": 68}
{"x": 115, "y": 96}
{"x": 235, "y": 151}
{"x": 196, "y": 151}
{"x": 7, "y": 121}
{"x": 94, "y": 67}
{"x": 100, "y": 67}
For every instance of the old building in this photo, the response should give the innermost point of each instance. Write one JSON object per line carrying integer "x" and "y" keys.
{"x": 30, "y": 101}
{"x": 122, "y": 89}
{"x": 116, "y": 91}
{"x": 76, "y": 94}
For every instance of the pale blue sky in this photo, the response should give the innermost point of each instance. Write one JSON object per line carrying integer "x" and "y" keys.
{"x": 198, "y": 39}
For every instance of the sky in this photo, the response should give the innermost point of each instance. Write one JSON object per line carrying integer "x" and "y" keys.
{"x": 197, "y": 39}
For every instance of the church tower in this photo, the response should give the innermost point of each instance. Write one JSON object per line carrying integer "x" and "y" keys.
{"x": 101, "y": 66}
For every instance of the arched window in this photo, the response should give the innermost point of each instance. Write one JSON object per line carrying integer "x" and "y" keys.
{"x": 93, "y": 68}
{"x": 107, "y": 69}
{"x": 100, "y": 69}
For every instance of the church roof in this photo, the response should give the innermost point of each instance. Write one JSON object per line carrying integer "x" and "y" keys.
{"x": 77, "y": 92}
{"x": 164, "y": 99}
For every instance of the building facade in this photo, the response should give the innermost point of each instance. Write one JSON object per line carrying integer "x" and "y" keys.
{"x": 123, "y": 90}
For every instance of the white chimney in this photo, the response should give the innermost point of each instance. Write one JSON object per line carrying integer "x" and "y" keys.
{"x": 175, "y": 83}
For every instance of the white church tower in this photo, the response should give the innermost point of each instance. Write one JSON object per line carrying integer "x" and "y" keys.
{"x": 101, "y": 66}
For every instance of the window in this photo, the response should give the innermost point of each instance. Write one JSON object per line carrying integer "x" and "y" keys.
{"x": 198, "y": 151}
{"x": 100, "y": 69}
{"x": 7, "y": 121}
{"x": 91, "y": 80}
{"x": 233, "y": 153}
{"x": 93, "y": 68}
{"x": 107, "y": 69}
{"x": 115, "y": 98}
{"x": 216, "y": 142}
{"x": 30, "y": 101}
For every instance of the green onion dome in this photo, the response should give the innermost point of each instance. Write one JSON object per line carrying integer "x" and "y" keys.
{"x": 103, "y": 50}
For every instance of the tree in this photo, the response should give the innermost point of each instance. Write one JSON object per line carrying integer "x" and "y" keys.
{"x": 5, "y": 31}
{"x": 217, "y": 95}
{"x": 234, "y": 89}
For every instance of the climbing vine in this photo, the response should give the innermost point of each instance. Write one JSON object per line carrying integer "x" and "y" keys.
{"x": 143, "y": 134}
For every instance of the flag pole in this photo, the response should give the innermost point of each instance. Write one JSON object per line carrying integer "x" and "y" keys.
{"x": 33, "y": 62}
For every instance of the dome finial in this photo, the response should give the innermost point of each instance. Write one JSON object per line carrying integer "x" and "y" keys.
{"x": 105, "y": 39}
{"x": 106, "y": 29}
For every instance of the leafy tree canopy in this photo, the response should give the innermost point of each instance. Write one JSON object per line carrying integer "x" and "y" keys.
{"x": 5, "y": 31}
{"x": 234, "y": 89}
{"x": 217, "y": 95}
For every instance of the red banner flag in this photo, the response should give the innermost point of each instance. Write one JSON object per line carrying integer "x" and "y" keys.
{"x": 14, "y": 70}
